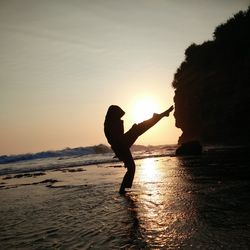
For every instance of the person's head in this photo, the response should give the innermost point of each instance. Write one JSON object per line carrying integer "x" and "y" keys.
{"x": 114, "y": 113}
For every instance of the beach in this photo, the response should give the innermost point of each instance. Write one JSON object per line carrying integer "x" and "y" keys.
{"x": 193, "y": 202}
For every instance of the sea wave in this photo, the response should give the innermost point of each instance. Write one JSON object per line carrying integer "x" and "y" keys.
{"x": 69, "y": 158}
{"x": 70, "y": 152}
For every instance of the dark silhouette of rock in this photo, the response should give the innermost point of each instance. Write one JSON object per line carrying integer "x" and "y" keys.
{"x": 212, "y": 96}
{"x": 189, "y": 148}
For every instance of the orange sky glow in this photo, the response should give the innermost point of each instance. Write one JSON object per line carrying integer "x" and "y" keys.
{"x": 64, "y": 62}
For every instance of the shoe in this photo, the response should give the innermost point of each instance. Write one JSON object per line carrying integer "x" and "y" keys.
{"x": 167, "y": 112}
{"x": 122, "y": 191}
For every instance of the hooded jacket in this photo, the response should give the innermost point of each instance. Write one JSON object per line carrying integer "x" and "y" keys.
{"x": 113, "y": 125}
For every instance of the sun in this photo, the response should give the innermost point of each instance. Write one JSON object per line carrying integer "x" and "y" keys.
{"x": 144, "y": 109}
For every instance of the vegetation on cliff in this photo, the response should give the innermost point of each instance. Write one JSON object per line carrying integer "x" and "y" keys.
{"x": 212, "y": 96}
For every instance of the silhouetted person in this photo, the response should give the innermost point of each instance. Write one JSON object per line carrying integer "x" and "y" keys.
{"x": 121, "y": 142}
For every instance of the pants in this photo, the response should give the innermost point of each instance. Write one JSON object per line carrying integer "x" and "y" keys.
{"x": 129, "y": 139}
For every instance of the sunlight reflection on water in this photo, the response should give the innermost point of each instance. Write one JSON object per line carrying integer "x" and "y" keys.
{"x": 159, "y": 203}
{"x": 149, "y": 171}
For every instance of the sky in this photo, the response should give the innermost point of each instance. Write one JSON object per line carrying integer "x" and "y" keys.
{"x": 63, "y": 62}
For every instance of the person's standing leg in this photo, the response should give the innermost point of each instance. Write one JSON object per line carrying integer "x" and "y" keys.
{"x": 129, "y": 176}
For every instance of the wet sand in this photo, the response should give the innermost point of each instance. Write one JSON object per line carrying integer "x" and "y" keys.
{"x": 175, "y": 203}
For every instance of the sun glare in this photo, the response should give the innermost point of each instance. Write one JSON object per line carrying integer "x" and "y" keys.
{"x": 144, "y": 109}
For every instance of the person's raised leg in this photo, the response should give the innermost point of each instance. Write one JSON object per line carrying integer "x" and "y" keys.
{"x": 139, "y": 129}
{"x": 145, "y": 125}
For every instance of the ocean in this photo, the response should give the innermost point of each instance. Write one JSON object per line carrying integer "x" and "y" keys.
{"x": 69, "y": 199}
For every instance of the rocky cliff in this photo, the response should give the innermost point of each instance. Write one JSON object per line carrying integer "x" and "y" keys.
{"x": 212, "y": 86}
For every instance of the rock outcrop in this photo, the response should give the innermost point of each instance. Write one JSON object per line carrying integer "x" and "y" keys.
{"x": 212, "y": 96}
{"x": 189, "y": 148}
